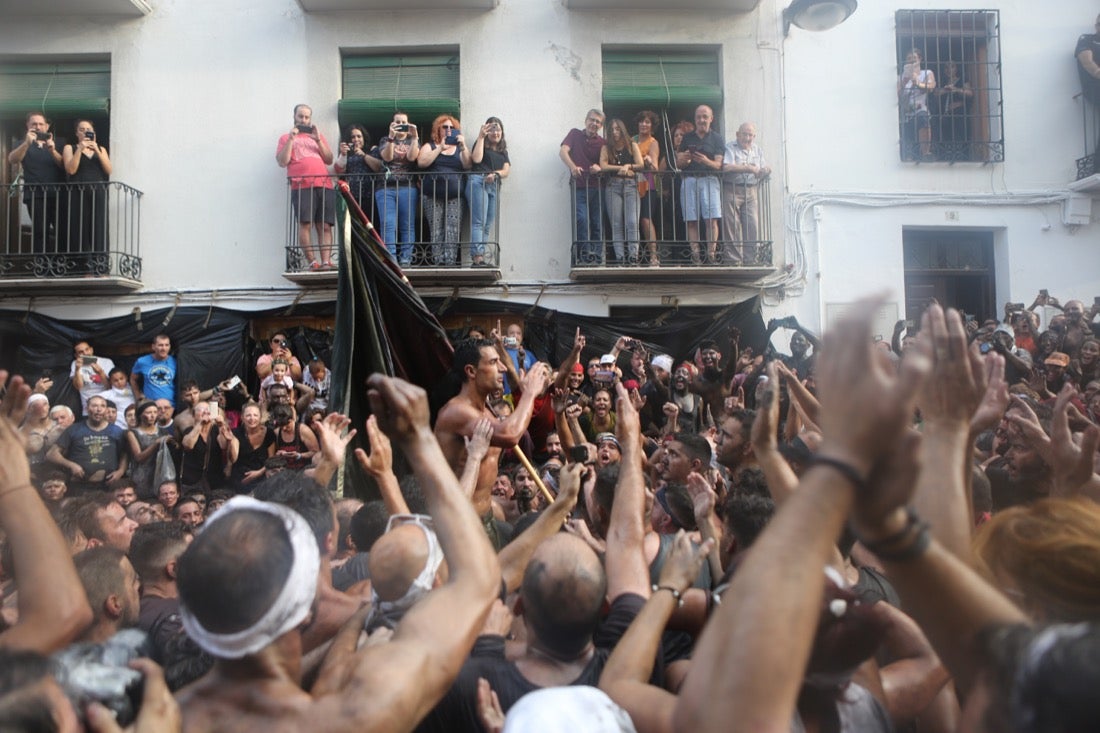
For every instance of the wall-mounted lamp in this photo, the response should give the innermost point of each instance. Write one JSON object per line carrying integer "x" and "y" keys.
{"x": 817, "y": 15}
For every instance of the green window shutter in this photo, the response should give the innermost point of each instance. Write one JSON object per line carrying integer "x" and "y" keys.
{"x": 57, "y": 89}
{"x": 661, "y": 79}
{"x": 424, "y": 85}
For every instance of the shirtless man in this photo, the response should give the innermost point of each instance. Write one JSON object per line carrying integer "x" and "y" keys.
{"x": 254, "y": 629}
{"x": 483, "y": 373}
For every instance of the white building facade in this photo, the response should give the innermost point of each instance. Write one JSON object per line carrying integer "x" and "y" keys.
{"x": 200, "y": 90}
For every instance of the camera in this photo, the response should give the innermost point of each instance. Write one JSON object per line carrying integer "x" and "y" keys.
{"x": 578, "y": 454}
{"x": 402, "y": 128}
{"x": 305, "y": 129}
{"x": 605, "y": 375}
{"x": 39, "y": 135}
{"x": 511, "y": 342}
{"x": 100, "y": 673}
{"x": 47, "y": 374}
{"x": 1016, "y": 306}
{"x": 89, "y": 135}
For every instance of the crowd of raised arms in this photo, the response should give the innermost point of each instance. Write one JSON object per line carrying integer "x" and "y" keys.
{"x": 858, "y": 535}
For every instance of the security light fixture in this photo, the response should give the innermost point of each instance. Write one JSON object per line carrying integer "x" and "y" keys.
{"x": 817, "y": 15}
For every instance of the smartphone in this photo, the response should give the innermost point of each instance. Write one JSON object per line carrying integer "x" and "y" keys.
{"x": 578, "y": 454}
{"x": 305, "y": 129}
{"x": 1016, "y": 306}
{"x": 1096, "y": 300}
{"x": 89, "y": 135}
{"x": 47, "y": 374}
{"x": 401, "y": 128}
{"x": 605, "y": 375}
{"x": 510, "y": 342}
{"x": 88, "y": 359}
{"x": 42, "y": 135}
{"x": 1045, "y": 293}
{"x": 232, "y": 383}
{"x": 452, "y": 139}
{"x": 215, "y": 410}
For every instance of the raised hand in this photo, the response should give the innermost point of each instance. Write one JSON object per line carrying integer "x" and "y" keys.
{"x": 684, "y": 562}
{"x": 379, "y": 462}
{"x": 331, "y": 437}
{"x": 477, "y": 445}
{"x": 957, "y": 383}
{"x": 1072, "y": 462}
{"x": 401, "y": 407}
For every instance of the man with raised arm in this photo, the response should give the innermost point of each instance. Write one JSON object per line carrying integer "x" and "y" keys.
{"x": 479, "y": 366}
{"x": 255, "y": 632}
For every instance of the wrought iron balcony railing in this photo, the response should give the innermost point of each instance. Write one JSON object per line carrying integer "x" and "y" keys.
{"x": 71, "y": 230}
{"x": 421, "y": 230}
{"x": 643, "y": 221}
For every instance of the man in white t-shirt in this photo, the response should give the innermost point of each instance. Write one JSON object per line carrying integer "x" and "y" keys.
{"x": 89, "y": 373}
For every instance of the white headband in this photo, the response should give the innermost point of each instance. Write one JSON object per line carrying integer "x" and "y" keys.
{"x": 293, "y": 602}
{"x": 389, "y": 613}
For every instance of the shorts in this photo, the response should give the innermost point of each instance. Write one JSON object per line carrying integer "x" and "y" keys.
{"x": 314, "y": 205}
{"x": 702, "y": 198}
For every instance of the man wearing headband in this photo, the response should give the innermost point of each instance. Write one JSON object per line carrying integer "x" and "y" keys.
{"x": 479, "y": 366}
{"x": 247, "y": 586}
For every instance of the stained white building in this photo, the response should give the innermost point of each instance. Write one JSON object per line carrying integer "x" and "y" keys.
{"x": 190, "y": 96}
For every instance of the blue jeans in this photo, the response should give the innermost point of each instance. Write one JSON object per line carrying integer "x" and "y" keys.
{"x": 482, "y": 196}
{"x": 397, "y": 208}
{"x": 622, "y": 209}
{"x": 589, "y": 224}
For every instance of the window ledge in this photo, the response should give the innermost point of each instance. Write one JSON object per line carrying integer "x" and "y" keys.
{"x": 329, "y": 6}
{"x": 71, "y": 286}
{"x": 689, "y": 273}
{"x": 76, "y": 8}
{"x": 1089, "y": 185}
{"x": 730, "y": 6}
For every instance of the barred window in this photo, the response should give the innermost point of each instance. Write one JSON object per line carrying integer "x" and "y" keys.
{"x": 949, "y": 86}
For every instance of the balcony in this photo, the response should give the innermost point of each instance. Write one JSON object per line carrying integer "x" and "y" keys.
{"x": 78, "y": 238}
{"x": 662, "y": 250}
{"x": 720, "y": 6}
{"x": 323, "y": 6}
{"x": 1088, "y": 165}
{"x": 401, "y": 211}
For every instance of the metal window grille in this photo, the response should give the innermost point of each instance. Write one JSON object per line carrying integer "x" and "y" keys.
{"x": 950, "y": 106}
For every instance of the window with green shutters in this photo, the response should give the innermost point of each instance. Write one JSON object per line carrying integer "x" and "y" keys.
{"x": 670, "y": 82}
{"x": 424, "y": 85}
{"x": 59, "y": 89}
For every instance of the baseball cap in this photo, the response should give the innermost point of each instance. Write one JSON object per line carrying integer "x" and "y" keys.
{"x": 1057, "y": 358}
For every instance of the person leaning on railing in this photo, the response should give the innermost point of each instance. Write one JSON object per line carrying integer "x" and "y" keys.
{"x": 42, "y": 172}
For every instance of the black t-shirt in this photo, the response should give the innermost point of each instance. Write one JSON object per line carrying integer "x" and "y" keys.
{"x": 1090, "y": 85}
{"x": 710, "y": 145}
{"x": 491, "y": 160}
{"x": 457, "y": 711}
{"x": 39, "y": 166}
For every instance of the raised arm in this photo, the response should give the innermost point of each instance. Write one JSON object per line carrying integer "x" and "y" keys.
{"x": 627, "y": 571}
{"x": 53, "y": 609}
{"x": 332, "y": 442}
{"x": 408, "y": 676}
{"x": 626, "y": 674}
{"x": 571, "y": 358}
{"x": 781, "y": 478}
{"x": 379, "y": 464}
{"x": 748, "y": 670}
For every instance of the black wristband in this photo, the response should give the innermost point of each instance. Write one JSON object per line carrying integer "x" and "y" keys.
{"x": 845, "y": 469}
{"x": 906, "y": 544}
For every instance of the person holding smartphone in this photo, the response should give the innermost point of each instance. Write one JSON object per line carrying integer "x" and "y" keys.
{"x": 446, "y": 157}
{"x": 396, "y": 201}
{"x": 43, "y": 173}
{"x": 306, "y": 155}
{"x": 89, "y": 373}
{"x": 356, "y": 164}
{"x": 88, "y": 168}
{"x": 490, "y": 167}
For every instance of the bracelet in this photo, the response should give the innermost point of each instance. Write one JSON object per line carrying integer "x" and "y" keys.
{"x": 677, "y": 595}
{"x": 845, "y": 469}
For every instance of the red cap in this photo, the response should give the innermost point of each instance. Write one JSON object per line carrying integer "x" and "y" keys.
{"x": 578, "y": 368}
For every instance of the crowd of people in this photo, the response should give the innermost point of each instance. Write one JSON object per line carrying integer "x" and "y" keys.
{"x": 636, "y": 197}
{"x": 838, "y": 534}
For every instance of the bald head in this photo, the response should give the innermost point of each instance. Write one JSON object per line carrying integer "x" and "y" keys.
{"x": 563, "y": 591}
{"x": 396, "y": 559}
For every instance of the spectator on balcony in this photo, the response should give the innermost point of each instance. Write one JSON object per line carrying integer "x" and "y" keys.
{"x": 1088, "y": 64}
{"x": 280, "y": 349}
{"x": 89, "y": 373}
{"x": 445, "y": 157}
{"x": 953, "y": 96}
{"x": 357, "y": 164}
{"x": 89, "y": 167}
{"x": 154, "y": 375}
{"x": 43, "y": 172}
{"x": 490, "y": 166}
{"x": 580, "y": 151}
{"x": 914, "y": 84}
{"x": 306, "y": 155}
{"x": 396, "y": 201}
{"x": 700, "y": 157}
{"x": 673, "y": 225}
{"x": 652, "y": 161}
{"x": 746, "y": 168}
{"x": 618, "y": 160}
